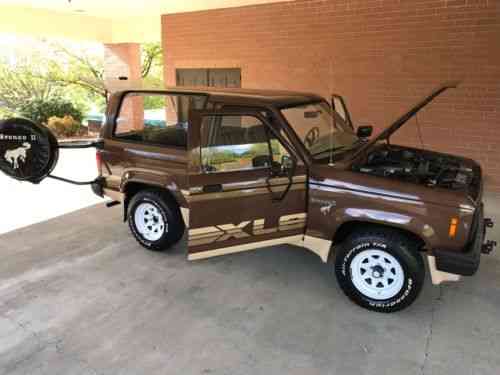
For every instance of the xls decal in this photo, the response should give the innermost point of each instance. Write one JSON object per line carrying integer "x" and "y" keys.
{"x": 224, "y": 232}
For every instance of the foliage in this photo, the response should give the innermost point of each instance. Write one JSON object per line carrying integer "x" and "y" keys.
{"x": 22, "y": 83}
{"x": 78, "y": 70}
{"x": 5, "y": 113}
{"x": 86, "y": 72}
{"x": 66, "y": 126}
{"x": 36, "y": 82}
{"x": 227, "y": 154}
{"x": 154, "y": 102}
{"x": 151, "y": 59}
{"x": 40, "y": 110}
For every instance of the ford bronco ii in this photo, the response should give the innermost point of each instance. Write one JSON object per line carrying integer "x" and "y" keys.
{"x": 242, "y": 169}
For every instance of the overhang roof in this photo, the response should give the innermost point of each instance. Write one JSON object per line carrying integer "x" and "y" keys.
{"x": 109, "y": 21}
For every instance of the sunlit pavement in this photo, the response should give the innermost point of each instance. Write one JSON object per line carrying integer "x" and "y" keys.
{"x": 22, "y": 203}
{"x": 79, "y": 296}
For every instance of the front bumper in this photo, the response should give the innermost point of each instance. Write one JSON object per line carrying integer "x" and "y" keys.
{"x": 466, "y": 263}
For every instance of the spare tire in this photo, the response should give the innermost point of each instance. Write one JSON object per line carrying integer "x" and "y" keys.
{"x": 28, "y": 151}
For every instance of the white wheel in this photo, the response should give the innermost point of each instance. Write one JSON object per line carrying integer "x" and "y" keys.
{"x": 377, "y": 274}
{"x": 149, "y": 221}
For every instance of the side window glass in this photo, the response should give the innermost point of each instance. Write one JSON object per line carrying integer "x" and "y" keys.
{"x": 234, "y": 142}
{"x": 279, "y": 151}
{"x": 159, "y": 119}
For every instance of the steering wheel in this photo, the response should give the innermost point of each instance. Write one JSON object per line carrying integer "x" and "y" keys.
{"x": 312, "y": 136}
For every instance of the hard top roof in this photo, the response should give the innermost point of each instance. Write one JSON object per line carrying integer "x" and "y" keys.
{"x": 238, "y": 96}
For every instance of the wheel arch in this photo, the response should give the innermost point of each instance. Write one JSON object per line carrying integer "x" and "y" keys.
{"x": 349, "y": 227}
{"x": 132, "y": 187}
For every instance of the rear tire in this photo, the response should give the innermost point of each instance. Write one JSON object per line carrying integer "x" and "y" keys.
{"x": 155, "y": 220}
{"x": 380, "y": 269}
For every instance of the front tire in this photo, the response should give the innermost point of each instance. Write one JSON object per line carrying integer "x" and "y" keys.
{"x": 380, "y": 269}
{"x": 154, "y": 220}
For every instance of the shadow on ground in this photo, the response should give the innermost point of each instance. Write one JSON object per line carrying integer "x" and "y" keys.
{"x": 79, "y": 296}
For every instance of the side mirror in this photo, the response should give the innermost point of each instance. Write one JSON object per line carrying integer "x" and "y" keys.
{"x": 287, "y": 162}
{"x": 364, "y": 131}
{"x": 276, "y": 169}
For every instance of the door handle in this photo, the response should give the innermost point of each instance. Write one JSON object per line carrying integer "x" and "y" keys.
{"x": 215, "y": 188}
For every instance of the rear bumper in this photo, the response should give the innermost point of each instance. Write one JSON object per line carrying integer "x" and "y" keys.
{"x": 466, "y": 262}
{"x": 98, "y": 187}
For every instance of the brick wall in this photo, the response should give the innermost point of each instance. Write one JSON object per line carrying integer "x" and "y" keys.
{"x": 124, "y": 60}
{"x": 382, "y": 55}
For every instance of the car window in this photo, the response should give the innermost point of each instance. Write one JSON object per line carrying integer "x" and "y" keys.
{"x": 160, "y": 119}
{"x": 234, "y": 142}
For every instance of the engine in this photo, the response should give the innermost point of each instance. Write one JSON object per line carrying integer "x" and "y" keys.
{"x": 419, "y": 166}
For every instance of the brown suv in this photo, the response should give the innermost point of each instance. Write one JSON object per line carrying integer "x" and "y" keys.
{"x": 244, "y": 169}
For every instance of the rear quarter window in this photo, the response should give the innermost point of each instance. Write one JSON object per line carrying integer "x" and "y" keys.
{"x": 158, "y": 119}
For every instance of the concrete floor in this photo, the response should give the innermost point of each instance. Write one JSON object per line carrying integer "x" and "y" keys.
{"x": 79, "y": 296}
{"x": 28, "y": 204}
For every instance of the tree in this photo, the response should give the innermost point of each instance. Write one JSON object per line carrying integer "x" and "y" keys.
{"x": 151, "y": 58}
{"x": 68, "y": 73}
{"x": 22, "y": 82}
{"x": 78, "y": 70}
{"x": 87, "y": 72}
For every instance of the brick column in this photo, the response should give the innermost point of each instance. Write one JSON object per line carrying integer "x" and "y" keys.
{"x": 124, "y": 60}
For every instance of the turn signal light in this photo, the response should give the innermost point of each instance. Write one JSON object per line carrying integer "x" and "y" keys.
{"x": 453, "y": 227}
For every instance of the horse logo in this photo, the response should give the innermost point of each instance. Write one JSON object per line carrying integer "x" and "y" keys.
{"x": 16, "y": 155}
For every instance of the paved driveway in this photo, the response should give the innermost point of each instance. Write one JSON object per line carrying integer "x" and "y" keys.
{"x": 79, "y": 296}
{"x": 23, "y": 203}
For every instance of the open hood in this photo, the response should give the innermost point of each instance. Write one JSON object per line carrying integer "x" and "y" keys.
{"x": 389, "y": 131}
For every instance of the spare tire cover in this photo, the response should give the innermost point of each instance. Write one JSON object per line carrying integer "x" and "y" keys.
{"x": 28, "y": 151}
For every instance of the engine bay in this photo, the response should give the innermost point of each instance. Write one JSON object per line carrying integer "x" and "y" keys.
{"x": 418, "y": 166}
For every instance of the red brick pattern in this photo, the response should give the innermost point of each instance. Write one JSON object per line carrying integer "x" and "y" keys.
{"x": 382, "y": 55}
{"x": 124, "y": 60}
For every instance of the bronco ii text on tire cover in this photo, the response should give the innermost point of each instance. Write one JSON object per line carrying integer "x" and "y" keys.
{"x": 242, "y": 169}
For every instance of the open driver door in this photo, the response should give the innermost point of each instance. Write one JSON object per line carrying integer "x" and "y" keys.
{"x": 246, "y": 187}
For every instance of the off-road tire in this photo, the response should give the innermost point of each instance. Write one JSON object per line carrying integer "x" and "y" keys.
{"x": 170, "y": 214}
{"x": 399, "y": 247}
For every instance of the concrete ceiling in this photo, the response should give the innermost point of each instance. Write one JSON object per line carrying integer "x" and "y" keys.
{"x": 105, "y": 21}
{"x": 128, "y": 8}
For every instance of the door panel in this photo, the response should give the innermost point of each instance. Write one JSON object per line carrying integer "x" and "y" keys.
{"x": 236, "y": 210}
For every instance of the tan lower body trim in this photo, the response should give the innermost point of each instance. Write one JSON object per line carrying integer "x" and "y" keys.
{"x": 295, "y": 240}
{"x": 437, "y": 276}
{"x": 185, "y": 216}
{"x": 319, "y": 246}
{"x": 113, "y": 194}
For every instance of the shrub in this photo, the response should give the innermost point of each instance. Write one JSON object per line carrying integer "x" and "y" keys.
{"x": 66, "y": 126}
{"x": 40, "y": 111}
{"x": 5, "y": 113}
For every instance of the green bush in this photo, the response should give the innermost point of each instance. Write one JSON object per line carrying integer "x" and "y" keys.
{"x": 40, "y": 111}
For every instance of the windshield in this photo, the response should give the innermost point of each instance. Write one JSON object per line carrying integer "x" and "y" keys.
{"x": 313, "y": 123}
